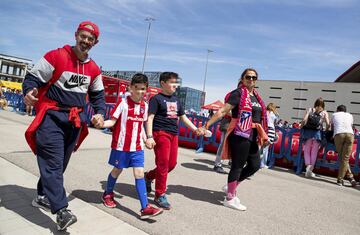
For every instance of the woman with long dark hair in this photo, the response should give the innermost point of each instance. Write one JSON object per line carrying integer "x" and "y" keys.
{"x": 246, "y": 132}
{"x": 312, "y": 125}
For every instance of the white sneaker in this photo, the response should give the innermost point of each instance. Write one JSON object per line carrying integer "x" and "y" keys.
{"x": 234, "y": 204}
{"x": 225, "y": 188}
{"x": 308, "y": 172}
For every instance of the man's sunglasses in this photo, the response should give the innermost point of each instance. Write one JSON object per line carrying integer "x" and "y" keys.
{"x": 248, "y": 77}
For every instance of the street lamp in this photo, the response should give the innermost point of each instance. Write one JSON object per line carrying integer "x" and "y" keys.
{"x": 149, "y": 20}
{"x": 207, "y": 60}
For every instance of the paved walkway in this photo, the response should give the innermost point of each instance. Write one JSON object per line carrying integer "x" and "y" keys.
{"x": 17, "y": 216}
{"x": 278, "y": 201}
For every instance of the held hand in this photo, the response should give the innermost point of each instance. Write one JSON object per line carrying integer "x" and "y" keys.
{"x": 30, "y": 98}
{"x": 98, "y": 121}
{"x": 200, "y": 131}
{"x": 150, "y": 143}
{"x": 266, "y": 143}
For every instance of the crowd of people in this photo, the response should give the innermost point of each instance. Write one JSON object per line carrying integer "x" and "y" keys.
{"x": 4, "y": 102}
{"x": 58, "y": 87}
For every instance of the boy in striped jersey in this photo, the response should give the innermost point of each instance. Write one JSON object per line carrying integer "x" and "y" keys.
{"x": 127, "y": 147}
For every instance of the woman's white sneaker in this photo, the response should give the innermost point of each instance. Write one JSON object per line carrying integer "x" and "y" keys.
{"x": 234, "y": 203}
{"x": 224, "y": 188}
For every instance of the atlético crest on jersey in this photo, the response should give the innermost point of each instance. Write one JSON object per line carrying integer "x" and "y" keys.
{"x": 142, "y": 110}
{"x": 245, "y": 121}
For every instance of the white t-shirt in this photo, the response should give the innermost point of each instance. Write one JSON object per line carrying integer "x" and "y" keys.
{"x": 271, "y": 119}
{"x": 342, "y": 123}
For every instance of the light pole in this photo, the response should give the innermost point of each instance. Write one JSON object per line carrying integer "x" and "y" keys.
{"x": 207, "y": 60}
{"x": 149, "y": 20}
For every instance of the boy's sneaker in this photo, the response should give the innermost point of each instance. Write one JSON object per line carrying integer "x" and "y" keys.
{"x": 150, "y": 211}
{"x": 41, "y": 202}
{"x": 340, "y": 182}
{"x": 219, "y": 170}
{"x": 108, "y": 200}
{"x": 353, "y": 182}
{"x": 162, "y": 202}
{"x": 148, "y": 184}
{"x": 64, "y": 219}
{"x": 234, "y": 203}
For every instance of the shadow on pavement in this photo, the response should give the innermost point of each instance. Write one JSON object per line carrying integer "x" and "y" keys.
{"x": 197, "y": 166}
{"x": 17, "y": 199}
{"x": 198, "y": 194}
{"x": 206, "y": 161}
{"x": 120, "y": 191}
{"x": 210, "y": 162}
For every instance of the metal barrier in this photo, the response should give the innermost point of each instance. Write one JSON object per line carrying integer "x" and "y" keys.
{"x": 192, "y": 137}
{"x": 272, "y": 155}
{"x": 285, "y": 147}
{"x": 15, "y": 101}
{"x": 90, "y": 112}
{"x": 298, "y": 159}
{"x": 290, "y": 143}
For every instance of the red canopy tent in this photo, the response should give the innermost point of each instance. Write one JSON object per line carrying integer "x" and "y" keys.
{"x": 214, "y": 106}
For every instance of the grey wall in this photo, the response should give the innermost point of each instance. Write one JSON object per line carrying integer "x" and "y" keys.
{"x": 294, "y": 98}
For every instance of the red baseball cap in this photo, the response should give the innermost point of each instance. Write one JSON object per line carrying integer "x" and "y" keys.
{"x": 90, "y": 27}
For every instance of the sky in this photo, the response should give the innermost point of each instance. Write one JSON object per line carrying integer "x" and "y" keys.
{"x": 307, "y": 40}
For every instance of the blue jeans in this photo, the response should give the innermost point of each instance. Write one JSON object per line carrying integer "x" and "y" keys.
{"x": 265, "y": 155}
{"x": 218, "y": 161}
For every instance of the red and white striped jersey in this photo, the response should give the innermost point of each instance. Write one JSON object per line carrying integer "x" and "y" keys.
{"x": 129, "y": 127}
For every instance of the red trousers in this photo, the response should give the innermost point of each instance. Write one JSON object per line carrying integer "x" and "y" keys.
{"x": 166, "y": 149}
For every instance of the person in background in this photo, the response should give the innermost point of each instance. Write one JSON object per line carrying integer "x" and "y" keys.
{"x": 211, "y": 113}
{"x": 312, "y": 125}
{"x": 342, "y": 126}
{"x": 224, "y": 124}
{"x": 3, "y": 101}
{"x": 272, "y": 115}
{"x": 29, "y": 109}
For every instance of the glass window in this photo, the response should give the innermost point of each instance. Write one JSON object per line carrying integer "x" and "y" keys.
{"x": 4, "y": 68}
{"x": 11, "y": 70}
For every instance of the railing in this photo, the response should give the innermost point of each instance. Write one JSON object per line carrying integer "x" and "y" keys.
{"x": 272, "y": 155}
{"x": 288, "y": 142}
{"x": 15, "y": 101}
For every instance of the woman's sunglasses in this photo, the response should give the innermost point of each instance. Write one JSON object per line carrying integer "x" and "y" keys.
{"x": 248, "y": 77}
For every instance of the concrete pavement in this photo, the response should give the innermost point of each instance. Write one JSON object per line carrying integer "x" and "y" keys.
{"x": 17, "y": 216}
{"x": 278, "y": 201}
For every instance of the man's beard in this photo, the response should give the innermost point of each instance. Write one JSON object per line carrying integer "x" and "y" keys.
{"x": 84, "y": 48}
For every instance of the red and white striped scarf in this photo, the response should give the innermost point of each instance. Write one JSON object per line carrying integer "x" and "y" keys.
{"x": 244, "y": 124}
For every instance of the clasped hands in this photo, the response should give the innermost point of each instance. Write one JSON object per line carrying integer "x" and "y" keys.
{"x": 98, "y": 121}
{"x": 201, "y": 131}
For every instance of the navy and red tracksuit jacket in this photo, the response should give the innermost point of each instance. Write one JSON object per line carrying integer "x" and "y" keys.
{"x": 64, "y": 82}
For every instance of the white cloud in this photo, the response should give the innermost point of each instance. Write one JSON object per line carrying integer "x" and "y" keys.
{"x": 305, "y": 3}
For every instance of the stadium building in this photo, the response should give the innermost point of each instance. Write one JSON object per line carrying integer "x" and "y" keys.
{"x": 293, "y": 98}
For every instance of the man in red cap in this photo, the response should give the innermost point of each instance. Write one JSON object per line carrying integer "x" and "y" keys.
{"x": 58, "y": 86}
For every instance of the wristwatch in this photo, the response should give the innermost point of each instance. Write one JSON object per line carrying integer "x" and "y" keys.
{"x": 149, "y": 136}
